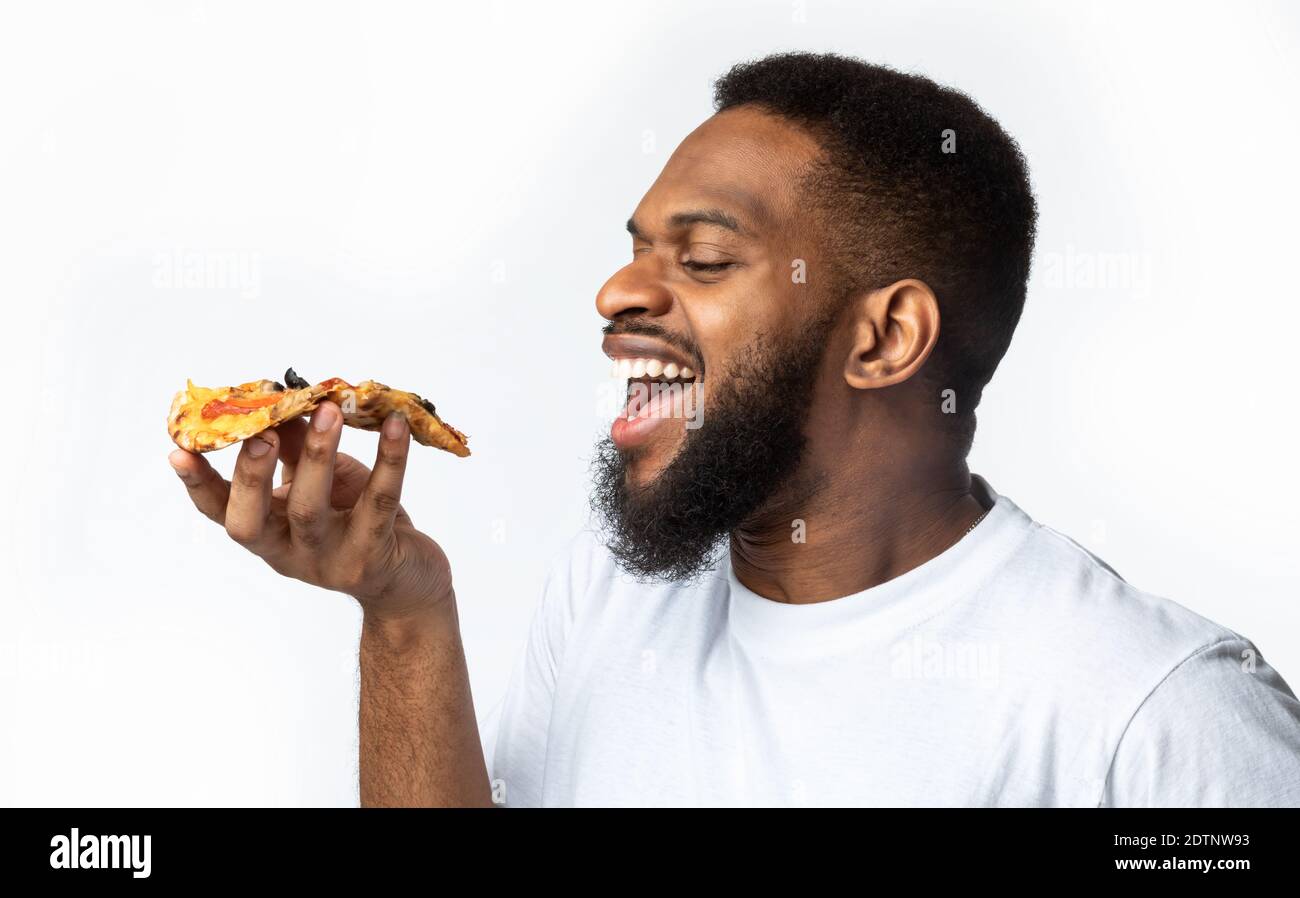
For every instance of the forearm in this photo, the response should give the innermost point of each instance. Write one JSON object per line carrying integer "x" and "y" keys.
{"x": 419, "y": 737}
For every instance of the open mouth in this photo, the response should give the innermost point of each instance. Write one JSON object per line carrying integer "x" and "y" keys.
{"x": 654, "y": 387}
{"x": 660, "y": 386}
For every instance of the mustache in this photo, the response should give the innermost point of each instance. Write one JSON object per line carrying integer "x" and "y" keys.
{"x": 642, "y": 328}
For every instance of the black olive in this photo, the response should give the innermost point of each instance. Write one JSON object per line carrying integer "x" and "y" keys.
{"x": 279, "y": 387}
{"x": 294, "y": 381}
{"x": 428, "y": 407}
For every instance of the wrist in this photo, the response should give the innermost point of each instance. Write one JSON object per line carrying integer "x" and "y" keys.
{"x": 410, "y": 628}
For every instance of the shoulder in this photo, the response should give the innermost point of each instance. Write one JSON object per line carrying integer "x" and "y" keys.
{"x": 1189, "y": 710}
{"x": 1091, "y": 614}
{"x": 1221, "y": 729}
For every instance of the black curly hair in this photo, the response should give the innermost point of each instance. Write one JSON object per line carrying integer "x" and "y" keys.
{"x": 897, "y": 203}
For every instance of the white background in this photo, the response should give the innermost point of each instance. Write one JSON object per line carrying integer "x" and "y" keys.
{"x": 431, "y": 195}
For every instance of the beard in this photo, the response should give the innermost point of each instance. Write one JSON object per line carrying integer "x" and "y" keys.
{"x": 748, "y": 451}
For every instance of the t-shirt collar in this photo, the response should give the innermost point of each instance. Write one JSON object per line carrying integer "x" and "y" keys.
{"x": 883, "y": 611}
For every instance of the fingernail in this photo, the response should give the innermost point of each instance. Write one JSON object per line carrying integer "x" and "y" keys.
{"x": 395, "y": 426}
{"x": 323, "y": 418}
{"x": 257, "y": 447}
{"x": 176, "y": 459}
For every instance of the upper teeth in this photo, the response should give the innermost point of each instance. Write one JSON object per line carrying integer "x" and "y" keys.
{"x": 652, "y": 367}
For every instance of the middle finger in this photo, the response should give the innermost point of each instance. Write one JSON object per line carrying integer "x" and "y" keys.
{"x": 309, "y": 509}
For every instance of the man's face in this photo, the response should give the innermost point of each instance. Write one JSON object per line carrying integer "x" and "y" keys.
{"x": 715, "y": 289}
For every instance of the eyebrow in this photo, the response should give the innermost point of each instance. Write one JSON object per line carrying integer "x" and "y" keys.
{"x": 716, "y": 217}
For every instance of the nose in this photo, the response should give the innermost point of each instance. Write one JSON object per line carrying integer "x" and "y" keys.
{"x": 634, "y": 290}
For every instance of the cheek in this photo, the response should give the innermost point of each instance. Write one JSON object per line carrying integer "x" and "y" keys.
{"x": 760, "y": 306}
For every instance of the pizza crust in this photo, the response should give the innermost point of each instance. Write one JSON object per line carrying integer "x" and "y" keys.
{"x": 369, "y": 403}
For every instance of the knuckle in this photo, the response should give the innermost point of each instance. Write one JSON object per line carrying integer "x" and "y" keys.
{"x": 389, "y": 457}
{"x": 248, "y": 479}
{"x": 342, "y": 570}
{"x": 316, "y": 451}
{"x": 241, "y": 533}
{"x": 375, "y": 534}
{"x": 304, "y": 518}
{"x": 307, "y": 527}
{"x": 309, "y": 539}
{"x": 385, "y": 503}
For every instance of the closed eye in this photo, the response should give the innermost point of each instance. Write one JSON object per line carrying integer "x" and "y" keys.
{"x": 707, "y": 266}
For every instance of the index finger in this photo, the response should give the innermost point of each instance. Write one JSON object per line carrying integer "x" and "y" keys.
{"x": 372, "y": 518}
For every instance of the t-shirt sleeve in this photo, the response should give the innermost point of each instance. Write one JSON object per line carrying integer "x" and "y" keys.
{"x": 515, "y": 733}
{"x": 1222, "y": 729}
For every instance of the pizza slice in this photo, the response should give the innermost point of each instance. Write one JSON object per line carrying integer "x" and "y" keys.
{"x": 202, "y": 419}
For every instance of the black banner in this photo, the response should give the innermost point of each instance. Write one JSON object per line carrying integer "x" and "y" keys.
{"x": 139, "y": 848}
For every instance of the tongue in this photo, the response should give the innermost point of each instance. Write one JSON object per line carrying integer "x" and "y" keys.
{"x": 638, "y": 397}
{"x": 642, "y": 398}
{"x": 656, "y": 399}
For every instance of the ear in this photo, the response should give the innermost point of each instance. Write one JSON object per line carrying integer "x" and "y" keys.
{"x": 894, "y": 330}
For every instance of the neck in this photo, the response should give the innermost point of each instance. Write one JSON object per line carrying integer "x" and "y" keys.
{"x": 836, "y": 534}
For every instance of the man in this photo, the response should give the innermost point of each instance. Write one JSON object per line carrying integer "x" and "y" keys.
{"x": 807, "y": 598}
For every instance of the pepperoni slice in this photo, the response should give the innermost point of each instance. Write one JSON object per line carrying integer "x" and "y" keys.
{"x": 238, "y": 405}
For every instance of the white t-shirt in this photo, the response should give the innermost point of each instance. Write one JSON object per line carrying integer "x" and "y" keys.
{"x": 1012, "y": 669}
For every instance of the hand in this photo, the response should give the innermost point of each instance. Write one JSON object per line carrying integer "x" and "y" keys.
{"x": 332, "y": 522}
